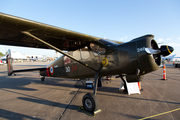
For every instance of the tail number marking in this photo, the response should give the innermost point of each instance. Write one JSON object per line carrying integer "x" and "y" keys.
{"x": 140, "y": 49}
{"x": 68, "y": 69}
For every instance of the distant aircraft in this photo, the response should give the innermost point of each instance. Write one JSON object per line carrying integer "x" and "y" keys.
{"x": 88, "y": 56}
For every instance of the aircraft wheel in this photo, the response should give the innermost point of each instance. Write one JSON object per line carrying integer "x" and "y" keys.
{"x": 42, "y": 79}
{"x": 90, "y": 102}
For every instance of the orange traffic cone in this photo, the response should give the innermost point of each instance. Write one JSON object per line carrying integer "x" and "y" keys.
{"x": 164, "y": 72}
{"x": 139, "y": 85}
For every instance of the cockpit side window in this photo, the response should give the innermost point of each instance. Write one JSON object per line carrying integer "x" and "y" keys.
{"x": 97, "y": 49}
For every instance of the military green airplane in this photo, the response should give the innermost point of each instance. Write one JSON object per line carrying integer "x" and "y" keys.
{"x": 87, "y": 56}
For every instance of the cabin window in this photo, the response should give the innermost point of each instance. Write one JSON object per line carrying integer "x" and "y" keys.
{"x": 97, "y": 49}
{"x": 76, "y": 54}
{"x": 81, "y": 54}
{"x": 85, "y": 55}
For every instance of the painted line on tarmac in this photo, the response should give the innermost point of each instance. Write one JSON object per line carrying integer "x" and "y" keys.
{"x": 160, "y": 114}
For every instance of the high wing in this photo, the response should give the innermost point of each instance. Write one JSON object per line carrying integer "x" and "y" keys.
{"x": 12, "y": 29}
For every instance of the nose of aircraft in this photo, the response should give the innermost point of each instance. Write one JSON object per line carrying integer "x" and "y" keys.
{"x": 166, "y": 50}
{"x": 171, "y": 49}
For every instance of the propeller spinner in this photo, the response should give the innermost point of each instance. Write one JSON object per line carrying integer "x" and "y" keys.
{"x": 166, "y": 50}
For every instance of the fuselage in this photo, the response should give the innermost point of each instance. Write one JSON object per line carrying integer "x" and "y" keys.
{"x": 125, "y": 59}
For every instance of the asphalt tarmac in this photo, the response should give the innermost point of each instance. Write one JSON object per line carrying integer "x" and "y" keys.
{"x": 25, "y": 97}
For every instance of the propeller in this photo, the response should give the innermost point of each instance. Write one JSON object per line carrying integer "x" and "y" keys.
{"x": 152, "y": 51}
{"x": 164, "y": 50}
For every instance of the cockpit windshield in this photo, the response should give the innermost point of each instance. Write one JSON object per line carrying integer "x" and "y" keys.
{"x": 107, "y": 42}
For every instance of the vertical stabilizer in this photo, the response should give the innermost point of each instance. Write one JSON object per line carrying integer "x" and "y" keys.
{"x": 9, "y": 63}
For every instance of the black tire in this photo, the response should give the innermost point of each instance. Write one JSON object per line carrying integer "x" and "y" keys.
{"x": 176, "y": 65}
{"x": 42, "y": 79}
{"x": 90, "y": 102}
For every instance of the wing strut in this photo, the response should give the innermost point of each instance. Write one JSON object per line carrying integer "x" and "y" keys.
{"x": 55, "y": 48}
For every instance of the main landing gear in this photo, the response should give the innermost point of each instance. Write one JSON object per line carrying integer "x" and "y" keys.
{"x": 42, "y": 79}
{"x": 90, "y": 101}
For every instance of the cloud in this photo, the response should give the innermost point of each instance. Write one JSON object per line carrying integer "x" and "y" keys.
{"x": 174, "y": 44}
{"x": 178, "y": 38}
{"x": 169, "y": 39}
{"x": 124, "y": 38}
{"x": 160, "y": 40}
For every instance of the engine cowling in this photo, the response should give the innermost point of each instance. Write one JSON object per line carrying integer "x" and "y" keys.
{"x": 141, "y": 54}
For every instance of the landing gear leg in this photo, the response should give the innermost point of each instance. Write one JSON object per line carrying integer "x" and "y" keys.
{"x": 123, "y": 77}
{"x": 90, "y": 101}
{"x": 42, "y": 79}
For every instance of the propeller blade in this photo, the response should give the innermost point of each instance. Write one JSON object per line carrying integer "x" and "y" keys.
{"x": 165, "y": 50}
{"x": 152, "y": 51}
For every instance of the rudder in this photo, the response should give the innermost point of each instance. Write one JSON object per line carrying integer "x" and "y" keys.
{"x": 9, "y": 63}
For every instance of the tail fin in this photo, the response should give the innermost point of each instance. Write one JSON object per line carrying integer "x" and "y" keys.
{"x": 9, "y": 63}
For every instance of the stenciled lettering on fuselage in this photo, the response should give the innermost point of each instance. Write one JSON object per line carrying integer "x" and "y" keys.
{"x": 67, "y": 61}
{"x": 68, "y": 66}
{"x": 74, "y": 67}
{"x": 141, "y": 49}
{"x": 67, "y": 69}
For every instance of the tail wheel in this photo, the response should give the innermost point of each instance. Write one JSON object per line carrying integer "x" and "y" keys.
{"x": 42, "y": 79}
{"x": 90, "y": 102}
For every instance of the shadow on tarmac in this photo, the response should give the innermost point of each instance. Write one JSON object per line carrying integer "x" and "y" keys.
{"x": 49, "y": 103}
{"x": 4, "y": 72}
{"x": 15, "y": 83}
{"x": 139, "y": 98}
{"x": 16, "y": 116}
{"x": 18, "y": 84}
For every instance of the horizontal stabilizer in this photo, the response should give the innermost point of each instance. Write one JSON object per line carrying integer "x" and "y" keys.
{"x": 26, "y": 70}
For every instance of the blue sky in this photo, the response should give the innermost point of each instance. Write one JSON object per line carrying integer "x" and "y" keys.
{"x": 120, "y": 20}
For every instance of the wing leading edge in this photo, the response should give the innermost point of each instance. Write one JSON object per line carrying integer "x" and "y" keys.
{"x": 11, "y": 28}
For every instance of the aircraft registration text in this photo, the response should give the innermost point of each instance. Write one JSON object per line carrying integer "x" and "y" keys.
{"x": 141, "y": 49}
